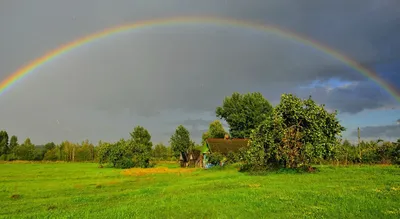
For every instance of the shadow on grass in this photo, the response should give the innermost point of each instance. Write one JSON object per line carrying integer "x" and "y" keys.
{"x": 248, "y": 170}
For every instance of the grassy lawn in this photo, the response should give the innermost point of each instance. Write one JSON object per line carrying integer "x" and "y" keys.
{"x": 82, "y": 190}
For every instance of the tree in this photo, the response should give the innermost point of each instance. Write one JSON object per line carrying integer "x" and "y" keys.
{"x": 26, "y": 151}
{"x": 298, "y": 132}
{"x": 244, "y": 112}
{"x": 139, "y": 147}
{"x": 3, "y": 142}
{"x": 49, "y": 146}
{"x": 85, "y": 151}
{"x": 116, "y": 154}
{"x": 216, "y": 130}
{"x": 51, "y": 155}
{"x": 319, "y": 128}
{"x": 103, "y": 152}
{"x": 13, "y": 143}
{"x": 160, "y": 152}
{"x": 140, "y": 135}
{"x": 180, "y": 141}
{"x": 204, "y": 137}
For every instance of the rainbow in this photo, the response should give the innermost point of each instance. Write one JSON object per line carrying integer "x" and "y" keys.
{"x": 24, "y": 71}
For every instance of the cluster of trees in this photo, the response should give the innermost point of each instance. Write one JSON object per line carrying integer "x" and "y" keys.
{"x": 66, "y": 151}
{"x": 368, "y": 152}
{"x": 138, "y": 151}
{"x": 295, "y": 133}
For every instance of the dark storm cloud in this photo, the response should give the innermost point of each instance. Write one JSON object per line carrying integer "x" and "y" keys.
{"x": 386, "y": 131}
{"x": 353, "y": 98}
{"x": 195, "y": 123}
{"x": 162, "y": 76}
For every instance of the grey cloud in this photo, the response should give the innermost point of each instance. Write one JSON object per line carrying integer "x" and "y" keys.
{"x": 160, "y": 77}
{"x": 386, "y": 131}
{"x": 197, "y": 134}
{"x": 353, "y": 98}
{"x": 195, "y": 123}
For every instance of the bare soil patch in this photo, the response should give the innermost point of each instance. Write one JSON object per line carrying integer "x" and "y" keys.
{"x": 157, "y": 170}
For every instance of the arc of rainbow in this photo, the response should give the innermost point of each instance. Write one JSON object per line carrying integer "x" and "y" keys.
{"x": 22, "y": 72}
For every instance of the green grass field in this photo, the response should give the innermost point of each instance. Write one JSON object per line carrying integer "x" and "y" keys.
{"x": 82, "y": 190}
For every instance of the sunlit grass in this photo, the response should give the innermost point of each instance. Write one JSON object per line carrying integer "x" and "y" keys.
{"x": 82, "y": 190}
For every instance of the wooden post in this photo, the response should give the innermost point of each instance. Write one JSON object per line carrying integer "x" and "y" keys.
{"x": 359, "y": 142}
{"x": 73, "y": 153}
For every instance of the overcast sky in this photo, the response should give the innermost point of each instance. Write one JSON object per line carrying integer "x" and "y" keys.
{"x": 178, "y": 74}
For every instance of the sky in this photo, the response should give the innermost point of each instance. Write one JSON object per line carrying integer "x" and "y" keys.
{"x": 161, "y": 77}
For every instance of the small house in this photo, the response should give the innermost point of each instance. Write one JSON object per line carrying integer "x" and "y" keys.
{"x": 220, "y": 145}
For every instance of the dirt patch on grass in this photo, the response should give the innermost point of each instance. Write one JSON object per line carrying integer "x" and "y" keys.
{"x": 78, "y": 186}
{"x": 113, "y": 182}
{"x": 157, "y": 170}
{"x": 51, "y": 207}
{"x": 254, "y": 185}
{"x": 15, "y": 196}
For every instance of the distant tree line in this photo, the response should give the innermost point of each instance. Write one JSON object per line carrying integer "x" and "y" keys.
{"x": 294, "y": 134}
{"x": 137, "y": 151}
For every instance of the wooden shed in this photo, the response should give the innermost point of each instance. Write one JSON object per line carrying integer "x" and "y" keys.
{"x": 222, "y": 146}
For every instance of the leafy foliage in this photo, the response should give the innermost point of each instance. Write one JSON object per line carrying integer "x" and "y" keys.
{"x": 180, "y": 141}
{"x": 13, "y": 143}
{"x": 216, "y": 130}
{"x": 49, "y": 146}
{"x": 244, "y": 112}
{"x": 297, "y": 133}
{"x": 140, "y": 135}
{"x": 215, "y": 158}
{"x": 4, "y": 142}
{"x": 51, "y": 155}
{"x": 135, "y": 152}
{"x": 25, "y": 151}
{"x": 368, "y": 152}
{"x": 204, "y": 137}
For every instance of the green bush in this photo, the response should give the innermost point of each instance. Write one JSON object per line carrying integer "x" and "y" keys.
{"x": 232, "y": 157}
{"x": 51, "y": 155}
{"x": 124, "y": 163}
{"x": 215, "y": 158}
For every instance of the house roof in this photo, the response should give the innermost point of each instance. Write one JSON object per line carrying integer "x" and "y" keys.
{"x": 223, "y": 146}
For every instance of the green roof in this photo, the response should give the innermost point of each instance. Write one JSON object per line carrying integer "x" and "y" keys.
{"x": 202, "y": 149}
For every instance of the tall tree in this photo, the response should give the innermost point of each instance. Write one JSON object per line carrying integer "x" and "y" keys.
{"x": 3, "y": 142}
{"x": 216, "y": 130}
{"x": 139, "y": 147}
{"x": 180, "y": 140}
{"x": 140, "y": 135}
{"x": 13, "y": 143}
{"x": 244, "y": 112}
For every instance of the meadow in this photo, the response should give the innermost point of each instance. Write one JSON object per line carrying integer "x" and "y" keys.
{"x": 82, "y": 190}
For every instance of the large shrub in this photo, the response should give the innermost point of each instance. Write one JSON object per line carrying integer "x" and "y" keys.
{"x": 297, "y": 133}
{"x": 215, "y": 158}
